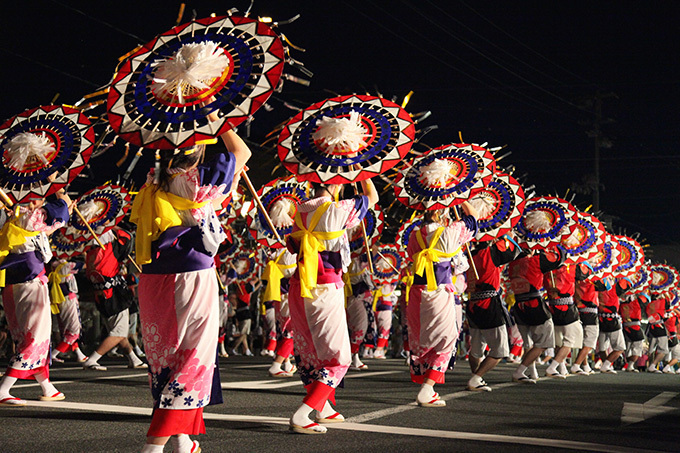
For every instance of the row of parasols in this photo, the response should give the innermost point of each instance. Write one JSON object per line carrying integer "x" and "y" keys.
{"x": 202, "y": 78}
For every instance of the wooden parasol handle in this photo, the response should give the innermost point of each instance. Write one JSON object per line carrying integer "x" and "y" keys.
{"x": 467, "y": 249}
{"x": 388, "y": 262}
{"x": 89, "y": 228}
{"x": 260, "y": 206}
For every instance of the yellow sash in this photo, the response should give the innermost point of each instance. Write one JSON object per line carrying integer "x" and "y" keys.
{"x": 377, "y": 295}
{"x": 12, "y": 236}
{"x": 310, "y": 246}
{"x": 408, "y": 282}
{"x": 56, "y": 294}
{"x": 425, "y": 259}
{"x": 154, "y": 211}
{"x": 273, "y": 273}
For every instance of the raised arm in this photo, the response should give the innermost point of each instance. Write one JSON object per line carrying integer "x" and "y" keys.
{"x": 369, "y": 190}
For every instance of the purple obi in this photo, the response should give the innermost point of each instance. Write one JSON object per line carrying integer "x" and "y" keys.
{"x": 179, "y": 249}
{"x": 442, "y": 272}
{"x": 20, "y": 268}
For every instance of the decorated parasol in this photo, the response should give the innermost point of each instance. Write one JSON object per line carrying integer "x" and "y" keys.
{"x": 346, "y": 139}
{"x": 631, "y": 256}
{"x": 545, "y": 222}
{"x": 499, "y": 206}
{"x": 102, "y": 208}
{"x": 231, "y": 206}
{"x": 43, "y": 149}
{"x": 406, "y": 229}
{"x": 245, "y": 263}
{"x": 65, "y": 247}
{"x": 389, "y": 260}
{"x": 603, "y": 263}
{"x": 585, "y": 241}
{"x": 374, "y": 223}
{"x": 663, "y": 278}
{"x": 162, "y": 94}
{"x": 280, "y": 198}
{"x": 640, "y": 280}
{"x": 445, "y": 176}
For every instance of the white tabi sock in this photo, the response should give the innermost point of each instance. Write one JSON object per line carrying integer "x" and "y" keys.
{"x": 54, "y": 353}
{"x": 5, "y": 386}
{"x": 606, "y": 365}
{"x": 133, "y": 359}
{"x": 328, "y": 410}
{"x": 562, "y": 368}
{"x": 288, "y": 366}
{"x": 47, "y": 387}
{"x": 94, "y": 358}
{"x": 151, "y": 448}
{"x": 586, "y": 367}
{"x": 426, "y": 393}
{"x": 521, "y": 369}
{"x": 181, "y": 443}
{"x": 552, "y": 368}
{"x": 79, "y": 354}
{"x": 356, "y": 361}
{"x": 275, "y": 368}
{"x": 301, "y": 418}
{"x": 139, "y": 352}
{"x": 533, "y": 372}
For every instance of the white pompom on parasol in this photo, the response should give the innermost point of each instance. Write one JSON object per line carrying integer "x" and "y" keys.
{"x": 345, "y": 134}
{"x": 89, "y": 210}
{"x": 574, "y": 239}
{"x": 26, "y": 145}
{"x": 437, "y": 173}
{"x": 383, "y": 265}
{"x": 537, "y": 221}
{"x": 241, "y": 266}
{"x": 280, "y": 213}
{"x": 194, "y": 65}
{"x": 657, "y": 278}
{"x": 484, "y": 204}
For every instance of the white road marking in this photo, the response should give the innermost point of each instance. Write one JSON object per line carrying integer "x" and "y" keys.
{"x": 347, "y": 426}
{"x": 89, "y": 379}
{"x": 279, "y": 383}
{"x": 636, "y": 413}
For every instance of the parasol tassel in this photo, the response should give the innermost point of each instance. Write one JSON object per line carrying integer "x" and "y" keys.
{"x": 537, "y": 221}
{"x": 280, "y": 213}
{"x": 484, "y": 204}
{"x": 194, "y": 65}
{"x": 437, "y": 173}
{"x": 26, "y": 145}
{"x": 341, "y": 133}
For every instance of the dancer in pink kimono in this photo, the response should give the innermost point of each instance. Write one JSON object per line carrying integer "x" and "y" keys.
{"x": 64, "y": 295}
{"x": 384, "y": 300}
{"x": 178, "y": 288}
{"x": 24, "y": 250}
{"x": 358, "y": 296}
{"x": 317, "y": 298}
{"x": 431, "y": 309}
{"x": 278, "y": 284}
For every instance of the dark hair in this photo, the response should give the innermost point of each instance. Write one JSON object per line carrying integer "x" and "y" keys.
{"x": 171, "y": 158}
{"x": 318, "y": 187}
{"x": 432, "y": 216}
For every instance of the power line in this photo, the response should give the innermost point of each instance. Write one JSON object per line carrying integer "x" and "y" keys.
{"x": 490, "y": 59}
{"x": 111, "y": 26}
{"x": 44, "y": 65}
{"x": 526, "y": 46}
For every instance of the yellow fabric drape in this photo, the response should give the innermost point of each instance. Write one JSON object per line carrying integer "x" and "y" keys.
{"x": 273, "y": 273}
{"x": 154, "y": 211}
{"x": 408, "y": 282}
{"x": 310, "y": 246}
{"x": 56, "y": 294}
{"x": 347, "y": 280}
{"x": 11, "y": 236}
{"x": 425, "y": 259}
{"x": 377, "y": 295}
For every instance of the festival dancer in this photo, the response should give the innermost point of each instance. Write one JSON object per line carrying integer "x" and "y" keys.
{"x": 24, "y": 250}
{"x": 587, "y": 303}
{"x": 560, "y": 285}
{"x": 317, "y": 301}
{"x": 64, "y": 297}
{"x": 178, "y": 288}
{"x": 611, "y": 331}
{"x": 431, "y": 309}
{"x": 487, "y": 318}
{"x": 112, "y": 295}
{"x": 630, "y": 310}
{"x": 359, "y": 288}
{"x": 671, "y": 322}
{"x": 277, "y": 274}
{"x": 530, "y": 310}
{"x": 658, "y": 341}
{"x": 383, "y": 304}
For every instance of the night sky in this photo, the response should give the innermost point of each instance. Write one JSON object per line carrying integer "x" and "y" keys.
{"x": 507, "y": 74}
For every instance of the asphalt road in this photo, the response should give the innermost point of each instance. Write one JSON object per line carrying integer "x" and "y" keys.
{"x": 109, "y": 412}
